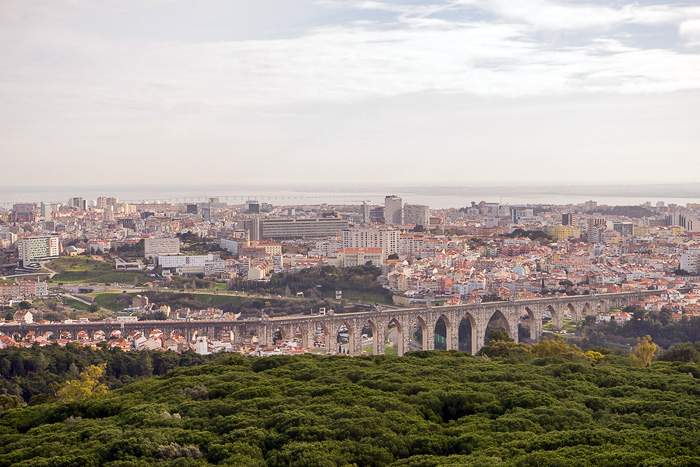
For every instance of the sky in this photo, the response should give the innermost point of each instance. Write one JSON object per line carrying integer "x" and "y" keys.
{"x": 295, "y": 92}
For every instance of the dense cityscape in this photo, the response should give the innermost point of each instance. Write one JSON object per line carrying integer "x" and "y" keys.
{"x": 349, "y": 233}
{"x": 482, "y": 252}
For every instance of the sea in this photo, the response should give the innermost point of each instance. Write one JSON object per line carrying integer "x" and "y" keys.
{"x": 437, "y": 197}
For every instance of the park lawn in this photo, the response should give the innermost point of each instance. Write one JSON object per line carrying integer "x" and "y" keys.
{"x": 78, "y": 269}
{"x": 359, "y": 296}
{"x": 73, "y": 303}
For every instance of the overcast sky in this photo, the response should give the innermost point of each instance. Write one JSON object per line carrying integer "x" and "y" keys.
{"x": 460, "y": 92}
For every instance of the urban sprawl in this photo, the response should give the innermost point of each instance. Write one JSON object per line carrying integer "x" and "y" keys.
{"x": 478, "y": 253}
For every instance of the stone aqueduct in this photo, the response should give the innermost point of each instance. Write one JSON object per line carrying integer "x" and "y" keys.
{"x": 401, "y": 320}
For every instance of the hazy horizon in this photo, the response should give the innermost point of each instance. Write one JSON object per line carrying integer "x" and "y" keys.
{"x": 435, "y": 197}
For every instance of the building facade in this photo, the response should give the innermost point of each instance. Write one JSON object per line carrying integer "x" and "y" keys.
{"x": 393, "y": 212}
{"x": 32, "y": 249}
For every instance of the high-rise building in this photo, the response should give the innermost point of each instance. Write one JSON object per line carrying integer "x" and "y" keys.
{"x": 384, "y": 238}
{"x": 108, "y": 215}
{"x": 34, "y": 248}
{"x": 688, "y": 222}
{"x": 569, "y": 219}
{"x": 625, "y": 228}
{"x": 79, "y": 203}
{"x": 206, "y": 213}
{"x": 596, "y": 226}
{"x": 365, "y": 213}
{"x": 416, "y": 214}
{"x": 376, "y": 215}
{"x": 252, "y": 206}
{"x": 393, "y": 212}
{"x": 46, "y": 211}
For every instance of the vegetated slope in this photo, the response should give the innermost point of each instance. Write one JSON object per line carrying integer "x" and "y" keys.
{"x": 78, "y": 269}
{"x": 424, "y": 409}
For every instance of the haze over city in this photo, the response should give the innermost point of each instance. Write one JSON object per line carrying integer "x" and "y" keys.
{"x": 400, "y": 93}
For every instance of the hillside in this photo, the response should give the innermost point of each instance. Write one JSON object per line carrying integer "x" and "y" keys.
{"x": 425, "y": 409}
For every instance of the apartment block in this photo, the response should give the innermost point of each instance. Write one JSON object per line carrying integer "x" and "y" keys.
{"x": 153, "y": 247}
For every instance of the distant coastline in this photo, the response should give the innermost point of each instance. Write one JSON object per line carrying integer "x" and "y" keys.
{"x": 442, "y": 197}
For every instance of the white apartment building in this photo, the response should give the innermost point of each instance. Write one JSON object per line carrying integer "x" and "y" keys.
{"x": 690, "y": 260}
{"x": 408, "y": 244}
{"x": 350, "y": 257}
{"x": 32, "y": 249}
{"x": 301, "y": 228}
{"x": 384, "y": 238}
{"x": 326, "y": 247}
{"x": 153, "y": 247}
{"x": 416, "y": 214}
{"x": 192, "y": 264}
{"x": 393, "y": 213}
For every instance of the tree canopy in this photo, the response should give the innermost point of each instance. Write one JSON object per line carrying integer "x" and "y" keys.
{"x": 423, "y": 409}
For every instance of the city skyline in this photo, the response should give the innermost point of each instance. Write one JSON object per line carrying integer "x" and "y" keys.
{"x": 401, "y": 93}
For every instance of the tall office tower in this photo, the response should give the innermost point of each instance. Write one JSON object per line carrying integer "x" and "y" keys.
{"x": 206, "y": 213}
{"x": 393, "y": 212}
{"x": 101, "y": 202}
{"x": 365, "y": 212}
{"x": 416, "y": 214}
{"x": 46, "y": 211}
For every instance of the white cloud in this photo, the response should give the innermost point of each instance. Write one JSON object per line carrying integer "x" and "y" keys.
{"x": 690, "y": 32}
{"x": 86, "y": 92}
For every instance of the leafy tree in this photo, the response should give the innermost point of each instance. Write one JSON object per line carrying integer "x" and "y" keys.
{"x": 24, "y": 305}
{"x": 643, "y": 353}
{"x": 554, "y": 348}
{"x": 86, "y": 386}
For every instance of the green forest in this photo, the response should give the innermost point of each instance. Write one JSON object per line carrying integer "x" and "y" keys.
{"x": 558, "y": 406}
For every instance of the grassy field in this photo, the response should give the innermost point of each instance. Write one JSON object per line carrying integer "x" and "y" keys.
{"x": 78, "y": 269}
{"x": 73, "y": 303}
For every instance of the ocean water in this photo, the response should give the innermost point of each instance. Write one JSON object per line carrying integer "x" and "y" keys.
{"x": 435, "y": 197}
